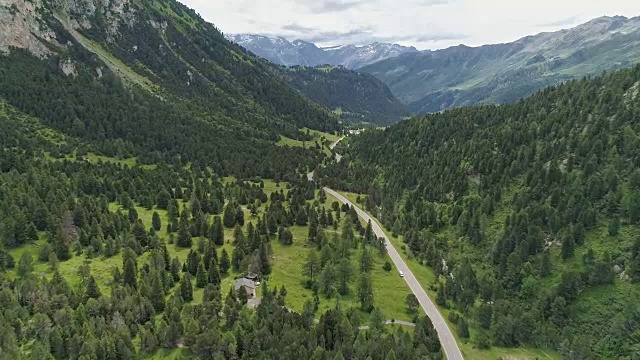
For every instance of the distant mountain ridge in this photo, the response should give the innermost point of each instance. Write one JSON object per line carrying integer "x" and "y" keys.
{"x": 299, "y": 52}
{"x": 431, "y": 81}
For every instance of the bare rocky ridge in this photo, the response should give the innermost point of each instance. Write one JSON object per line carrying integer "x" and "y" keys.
{"x": 299, "y": 52}
{"x": 19, "y": 27}
{"x": 21, "y": 24}
{"x": 431, "y": 81}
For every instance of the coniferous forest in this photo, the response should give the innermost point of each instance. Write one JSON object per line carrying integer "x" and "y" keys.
{"x": 528, "y": 213}
{"x": 132, "y": 193}
{"x": 146, "y": 164}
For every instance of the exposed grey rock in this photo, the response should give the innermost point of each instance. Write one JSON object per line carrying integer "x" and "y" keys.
{"x": 299, "y": 52}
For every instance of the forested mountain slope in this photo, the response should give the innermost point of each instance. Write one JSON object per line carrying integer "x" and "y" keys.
{"x": 353, "y": 95}
{"x": 102, "y": 259}
{"x": 528, "y": 212}
{"x": 431, "y": 81}
{"x": 149, "y": 79}
{"x": 140, "y": 176}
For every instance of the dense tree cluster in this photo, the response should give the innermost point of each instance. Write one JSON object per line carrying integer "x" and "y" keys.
{"x": 147, "y": 303}
{"x": 500, "y": 200}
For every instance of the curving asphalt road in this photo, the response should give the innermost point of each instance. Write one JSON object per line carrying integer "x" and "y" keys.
{"x": 448, "y": 341}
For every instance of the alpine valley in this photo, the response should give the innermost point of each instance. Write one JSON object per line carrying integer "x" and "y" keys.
{"x": 166, "y": 193}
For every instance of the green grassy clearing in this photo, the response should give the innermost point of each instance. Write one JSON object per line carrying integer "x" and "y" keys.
{"x": 322, "y": 138}
{"x": 389, "y": 289}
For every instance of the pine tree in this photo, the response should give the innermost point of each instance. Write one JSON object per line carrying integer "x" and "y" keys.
{"x": 366, "y": 260}
{"x": 193, "y": 261}
{"x": 568, "y": 246}
{"x": 201, "y": 276}
{"x": 225, "y": 263}
{"x": 365, "y": 292}
{"x": 208, "y": 254}
{"x": 236, "y": 259}
{"x": 130, "y": 274}
{"x": 157, "y": 294}
{"x": 345, "y": 272}
{"x": 369, "y": 235}
{"x": 545, "y": 265}
{"x": 286, "y": 237}
{"x": 240, "y": 216}
{"x": 186, "y": 289}
{"x": 216, "y": 232}
{"x": 229, "y": 216}
{"x": 411, "y": 301}
{"x": 93, "y": 291}
{"x": 312, "y": 265}
{"x": 301, "y": 217}
{"x": 327, "y": 284}
{"x": 184, "y": 236}
{"x": 156, "y": 223}
{"x": 263, "y": 255}
{"x": 213, "y": 275}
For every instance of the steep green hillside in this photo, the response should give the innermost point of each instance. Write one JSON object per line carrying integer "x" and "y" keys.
{"x": 355, "y": 96}
{"x": 152, "y": 80}
{"x": 528, "y": 213}
{"x": 431, "y": 81}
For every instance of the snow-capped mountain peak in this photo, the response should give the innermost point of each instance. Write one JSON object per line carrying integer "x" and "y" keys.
{"x": 300, "y": 52}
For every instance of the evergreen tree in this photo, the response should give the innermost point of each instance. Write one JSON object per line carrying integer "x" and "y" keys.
{"x": 130, "y": 274}
{"x": 365, "y": 292}
{"x": 184, "y": 236}
{"x": 92, "y": 291}
{"x": 216, "y": 232}
{"x": 327, "y": 284}
{"x": 229, "y": 216}
{"x": 201, "y": 276}
{"x": 545, "y": 265}
{"x": 213, "y": 275}
{"x": 312, "y": 265}
{"x": 156, "y": 222}
{"x": 263, "y": 255}
{"x": 186, "y": 288}
{"x": 301, "y": 217}
{"x": 369, "y": 235}
{"x": 237, "y": 256}
{"x": 225, "y": 263}
{"x": 157, "y": 294}
{"x": 412, "y": 304}
{"x": 345, "y": 272}
{"x": 366, "y": 260}
{"x": 286, "y": 237}
{"x": 568, "y": 246}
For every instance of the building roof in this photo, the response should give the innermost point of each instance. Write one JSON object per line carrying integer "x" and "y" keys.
{"x": 252, "y": 276}
{"x": 244, "y": 282}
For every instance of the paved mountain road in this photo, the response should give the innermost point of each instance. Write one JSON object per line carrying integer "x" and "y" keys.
{"x": 448, "y": 341}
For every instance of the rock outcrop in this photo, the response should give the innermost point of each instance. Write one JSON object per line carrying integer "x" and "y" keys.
{"x": 22, "y": 24}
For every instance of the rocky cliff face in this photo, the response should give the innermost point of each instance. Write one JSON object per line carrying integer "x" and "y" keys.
{"x": 20, "y": 28}
{"x": 22, "y": 24}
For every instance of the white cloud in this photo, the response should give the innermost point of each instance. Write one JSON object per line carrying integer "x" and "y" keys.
{"x": 425, "y": 24}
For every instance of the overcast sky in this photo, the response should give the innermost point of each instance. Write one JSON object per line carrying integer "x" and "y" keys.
{"x": 425, "y": 24}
